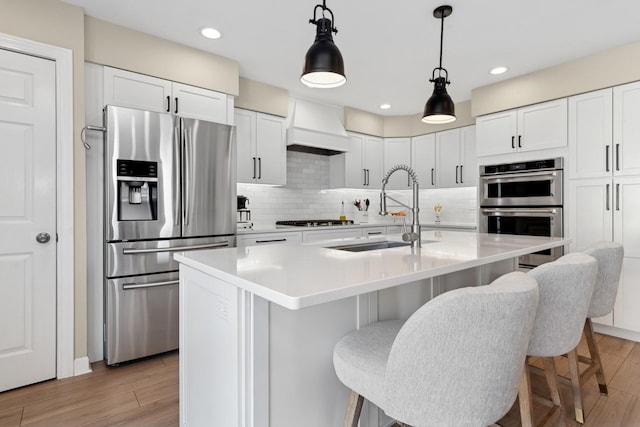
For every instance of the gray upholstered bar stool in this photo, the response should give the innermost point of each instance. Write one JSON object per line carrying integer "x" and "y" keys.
{"x": 565, "y": 286}
{"x": 456, "y": 361}
{"x": 609, "y": 256}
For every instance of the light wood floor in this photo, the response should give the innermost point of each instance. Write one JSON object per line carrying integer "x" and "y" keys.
{"x": 145, "y": 393}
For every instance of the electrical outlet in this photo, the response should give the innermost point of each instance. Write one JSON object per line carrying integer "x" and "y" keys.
{"x": 222, "y": 309}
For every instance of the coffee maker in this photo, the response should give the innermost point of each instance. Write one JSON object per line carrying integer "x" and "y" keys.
{"x": 244, "y": 214}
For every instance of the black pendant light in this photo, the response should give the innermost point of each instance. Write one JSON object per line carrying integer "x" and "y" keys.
{"x": 440, "y": 108}
{"x": 323, "y": 64}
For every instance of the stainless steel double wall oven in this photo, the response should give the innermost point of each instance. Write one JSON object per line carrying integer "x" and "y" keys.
{"x": 524, "y": 198}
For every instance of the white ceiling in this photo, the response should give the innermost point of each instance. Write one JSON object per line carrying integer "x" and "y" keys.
{"x": 389, "y": 48}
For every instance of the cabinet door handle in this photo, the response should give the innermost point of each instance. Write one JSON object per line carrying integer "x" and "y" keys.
{"x": 364, "y": 177}
{"x": 259, "y": 167}
{"x": 617, "y": 157}
{"x": 608, "y": 207}
{"x": 617, "y": 197}
{"x": 176, "y": 105}
{"x": 461, "y": 181}
{"x": 168, "y": 103}
{"x": 408, "y": 180}
{"x": 513, "y": 142}
{"x": 606, "y": 158}
{"x": 457, "y": 167}
{"x": 373, "y": 233}
{"x": 432, "y": 183}
{"x": 271, "y": 241}
{"x": 254, "y": 168}
{"x": 519, "y": 141}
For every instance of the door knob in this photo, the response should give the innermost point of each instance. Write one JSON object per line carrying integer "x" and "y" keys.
{"x": 43, "y": 237}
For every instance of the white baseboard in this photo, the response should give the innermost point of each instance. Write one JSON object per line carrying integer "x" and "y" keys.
{"x": 617, "y": 332}
{"x": 81, "y": 366}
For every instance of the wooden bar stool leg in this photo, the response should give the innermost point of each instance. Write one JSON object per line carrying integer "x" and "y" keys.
{"x": 595, "y": 356}
{"x": 354, "y": 407}
{"x": 525, "y": 398}
{"x": 552, "y": 382}
{"x": 575, "y": 385}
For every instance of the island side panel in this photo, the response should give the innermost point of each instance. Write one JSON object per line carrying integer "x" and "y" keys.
{"x": 304, "y": 389}
{"x": 222, "y": 328}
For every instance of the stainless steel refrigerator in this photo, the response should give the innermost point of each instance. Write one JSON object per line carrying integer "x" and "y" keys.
{"x": 170, "y": 186}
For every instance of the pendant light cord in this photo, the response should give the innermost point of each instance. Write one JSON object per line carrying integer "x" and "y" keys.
{"x": 441, "y": 37}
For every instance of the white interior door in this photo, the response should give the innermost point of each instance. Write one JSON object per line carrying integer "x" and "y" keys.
{"x": 27, "y": 210}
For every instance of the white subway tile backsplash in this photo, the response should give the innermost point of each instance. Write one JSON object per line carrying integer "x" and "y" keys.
{"x": 306, "y": 196}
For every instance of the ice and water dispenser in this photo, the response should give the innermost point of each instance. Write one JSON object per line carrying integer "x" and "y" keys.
{"x": 137, "y": 190}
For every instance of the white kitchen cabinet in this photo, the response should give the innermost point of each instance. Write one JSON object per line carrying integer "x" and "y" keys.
{"x": 394, "y": 229}
{"x": 261, "y": 239}
{"x": 456, "y": 164}
{"x": 591, "y": 134}
{"x": 202, "y": 104}
{"x": 626, "y": 231}
{"x": 319, "y": 235}
{"x": 607, "y": 209}
{"x": 536, "y": 127}
{"x": 361, "y": 166}
{"x": 374, "y": 231}
{"x": 397, "y": 151}
{"x": 129, "y": 89}
{"x": 423, "y": 159}
{"x": 261, "y": 148}
{"x": 626, "y": 129}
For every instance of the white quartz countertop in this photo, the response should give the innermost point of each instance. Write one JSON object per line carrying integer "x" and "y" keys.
{"x": 296, "y": 276}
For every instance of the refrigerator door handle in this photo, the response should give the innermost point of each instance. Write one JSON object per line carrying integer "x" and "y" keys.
{"x": 129, "y": 286}
{"x": 176, "y": 177}
{"x": 129, "y": 251}
{"x": 186, "y": 170}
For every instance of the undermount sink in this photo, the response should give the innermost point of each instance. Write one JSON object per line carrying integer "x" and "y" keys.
{"x": 371, "y": 246}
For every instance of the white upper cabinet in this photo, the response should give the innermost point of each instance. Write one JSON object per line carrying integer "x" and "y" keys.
{"x": 374, "y": 162}
{"x": 591, "y": 134}
{"x": 361, "y": 166}
{"x": 456, "y": 164}
{"x": 423, "y": 159}
{"x": 626, "y": 129}
{"x": 203, "y": 104}
{"x": 261, "y": 148}
{"x": 128, "y": 89}
{"x": 604, "y": 130}
{"x": 353, "y": 169}
{"x": 397, "y": 151}
{"x": 537, "y": 127}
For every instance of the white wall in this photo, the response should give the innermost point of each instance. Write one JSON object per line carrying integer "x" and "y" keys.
{"x": 306, "y": 197}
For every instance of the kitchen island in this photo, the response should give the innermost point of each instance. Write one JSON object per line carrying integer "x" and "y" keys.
{"x": 258, "y": 324}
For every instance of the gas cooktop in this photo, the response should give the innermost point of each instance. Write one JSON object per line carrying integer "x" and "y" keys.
{"x": 314, "y": 223}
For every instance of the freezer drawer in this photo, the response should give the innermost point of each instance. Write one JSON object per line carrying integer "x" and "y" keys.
{"x": 154, "y": 256}
{"x": 141, "y": 317}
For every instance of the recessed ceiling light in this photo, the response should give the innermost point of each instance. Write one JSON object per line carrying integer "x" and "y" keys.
{"x": 210, "y": 33}
{"x": 498, "y": 70}
{"x": 385, "y": 106}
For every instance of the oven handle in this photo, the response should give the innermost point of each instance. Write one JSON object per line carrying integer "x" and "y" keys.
{"x": 129, "y": 251}
{"x": 519, "y": 212}
{"x": 533, "y": 176}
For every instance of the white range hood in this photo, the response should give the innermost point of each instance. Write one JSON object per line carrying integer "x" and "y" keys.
{"x": 316, "y": 128}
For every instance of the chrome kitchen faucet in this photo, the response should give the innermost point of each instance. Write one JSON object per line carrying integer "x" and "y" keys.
{"x": 415, "y": 236}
